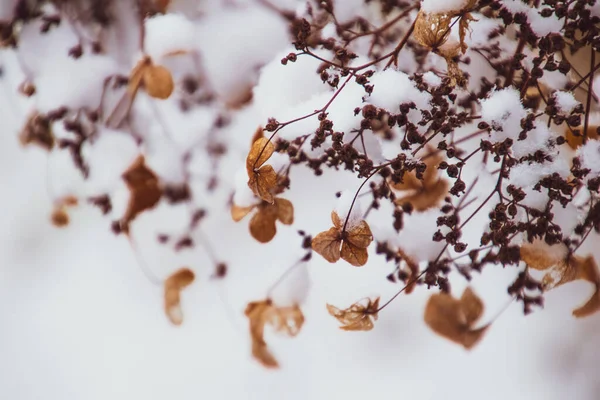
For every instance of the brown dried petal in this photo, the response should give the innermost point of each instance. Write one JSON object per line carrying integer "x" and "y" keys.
{"x": 587, "y": 270}
{"x": 471, "y": 305}
{"x": 357, "y": 317}
{"x": 158, "y": 81}
{"x": 173, "y": 285}
{"x": 360, "y": 235}
{"x": 328, "y": 244}
{"x": 354, "y": 255}
{"x": 262, "y": 183}
{"x": 144, "y": 190}
{"x": 262, "y": 224}
{"x": 285, "y": 211}
{"x": 453, "y": 319}
{"x": 262, "y": 149}
{"x": 337, "y": 222}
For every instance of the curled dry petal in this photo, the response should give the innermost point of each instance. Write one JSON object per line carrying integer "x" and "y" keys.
{"x": 173, "y": 286}
{"x": 144, "y": 189}
{"x": 357, "y": 317}
{"x": 286, "y": 320}
{"x": 454, "y": 318}
{"x": 262, "y": 225}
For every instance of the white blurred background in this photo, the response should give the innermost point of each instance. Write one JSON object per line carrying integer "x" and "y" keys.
{"x": 79, "y": 320}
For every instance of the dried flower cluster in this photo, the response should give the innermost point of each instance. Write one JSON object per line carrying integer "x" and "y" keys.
{"x": 471, "y": 129}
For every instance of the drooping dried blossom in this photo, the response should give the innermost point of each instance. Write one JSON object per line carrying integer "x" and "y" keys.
{"x": 283, "y": 320}
{"x": 351, "y": 245}
{"x": 357, "y": 317}
{"x": 454, "y": 319}
{"x": 262, "y": 225}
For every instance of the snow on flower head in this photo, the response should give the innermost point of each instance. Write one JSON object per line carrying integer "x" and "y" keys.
{"x": 503, "y": 111}
{"x": 343, "y": 206}
{"x": 565, "y": 101}
{"x": 589, "y": 155}
{"x": 437, "y": 6}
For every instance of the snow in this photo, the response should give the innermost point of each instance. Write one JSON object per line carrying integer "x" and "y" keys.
{"x": 543, "y": 26}
{"x": 537, "y": 139}
{"x": 283, "y": 86}
{"x": 343, "y": 210}
{"x": 108, "y": 156}
{"x": 432, "y": 79}
{"x": 7, "y": 8}
{"x": 590, "y": 157}
{"x": 58, "y": 84}
{"x": 503, "y": 111}
{"x": 565, "y": 101}
{"x": 168, "y": 33}
{"x": 392, "y": 88}
{"x": 441, "y": 7}
{"x": 233, "y": 57}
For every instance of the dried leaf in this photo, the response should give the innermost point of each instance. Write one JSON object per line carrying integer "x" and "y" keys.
{"x": 357, "y": 317}
{"x": 286, "y": 320}
{"x": 144, "y": 189}
{"x": 454, "y": 318}
{"x": 158, "y": 81}
{"x": 328, "y": 244}
{"x": 173, "y": 286}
